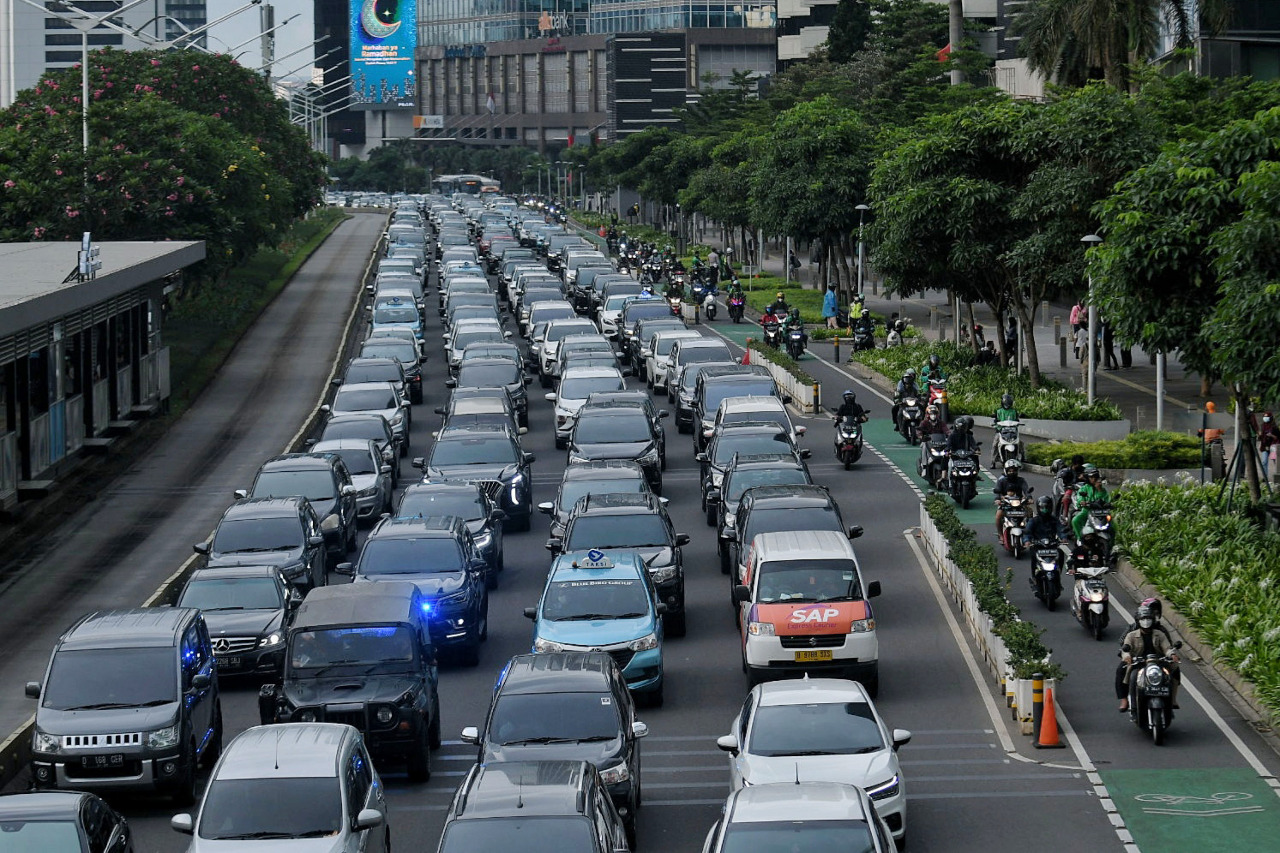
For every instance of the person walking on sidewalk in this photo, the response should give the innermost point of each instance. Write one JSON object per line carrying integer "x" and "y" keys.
{"x": 1081, "y": 343}
{"x": 713, "y": 267}
{"x": 1268, "y": 440}
{"x": 1079, "y": 315}
{"x": 830, "y": 307}
{"x": 1109, "y": 361}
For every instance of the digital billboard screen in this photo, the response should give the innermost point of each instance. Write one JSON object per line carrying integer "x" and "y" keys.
{"x": 384, "y": 34}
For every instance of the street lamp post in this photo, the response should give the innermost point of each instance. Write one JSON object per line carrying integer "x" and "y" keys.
{"x": 1091, "y": 240}
{"x": 862, "y": 211}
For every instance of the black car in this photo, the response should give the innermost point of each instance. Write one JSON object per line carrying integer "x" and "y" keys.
{"x": 749, "y": 438}
{"x": 437, "y": 554}
{"x": 406, "y": 353}
{"x": 718, "y": 383}
{"x": 567, "y": 705}
{"x": 376, "y": 370}
{"x": 638, "y": 522}
{"x": 364, "y": 425}
{"x": 748, "y": 472}
{"x": 470, "y": 502}
{"x": 536, "y": 806}
{"x": 640, "y": 398}
{"x": 489, "y": 454}
{"x": 62, "y": 821}
{"x": 630, "y": 335}
{"x": 321, "y": 478}
{"x": 592, "y": 478}
{"x": 466, "y": 409}
{"x": 246, "y": 609}
{"x": 280, "y": 532}
{"x": 681, "y": 383}
{"x": 618, "y": 430}
{"x": 496, "y": 373}
{"x": 771, "y": 509}
{"x": 361, "y": 654}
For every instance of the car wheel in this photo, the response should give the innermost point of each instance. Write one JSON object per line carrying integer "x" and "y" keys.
{"x": 351, "y": 537}
{"x": 711, "y": 515}
{"x": 675, "y": 624}
{"x": 561, "y": 443}
{"x": 420, "y": 760}
{"x": 184, "y": 791}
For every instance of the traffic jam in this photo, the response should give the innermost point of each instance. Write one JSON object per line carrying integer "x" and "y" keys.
{"x": 346, "y": 583}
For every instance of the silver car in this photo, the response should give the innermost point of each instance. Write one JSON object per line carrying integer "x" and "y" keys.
{"x": 380, "y": 398}
{"x": 370, "y": 474}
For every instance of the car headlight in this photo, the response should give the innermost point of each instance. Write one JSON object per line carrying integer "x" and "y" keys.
{"x": 760, "y": 629}
{"x": 45, "y": 742}
{"x": 397, "y": 419}
{"x": 275, "y": 638}
{"x": 331, "y": 522}
{"x": 648, "y": 641}
{"x": 385, "y": 715}
{"x": 730, "y": 520}
{"x": 307, "y": 716}
{"x": 163, "y": 738}
{"x": 541, "y": 646}
{"x": 456, "y": 600}
{"x": 663, "y": 574}
{"x": 369, "y": 492}
{"x": 885, "y": 790}
{"x": 614, "y": 775}
{"x": 862, "y": 626}
{"x": 651, "y": 457}
{"x": 483, "y": 539}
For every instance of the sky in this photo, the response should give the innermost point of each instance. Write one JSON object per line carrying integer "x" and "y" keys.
{"x": 297, "y": 35}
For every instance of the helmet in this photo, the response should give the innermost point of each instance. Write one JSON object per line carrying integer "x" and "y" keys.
{"x": 850, "y": 397}
{"x": 1006, "y": 402}
{"x": 932, "y": 410}
{"x": 780, "y": 296}
{"x": 1146, "y": 619}
{"x": 964, "y": 423}
{"x": 1154, "y": 605}
{"x": 1012, "y": 465}
{"x": 1057, "y": 465}
{"x": 910, "y": 375}
{"x": 1044, "y": 505}
{"x": 934, "y": 361}
{"x": 1090, "y": 470}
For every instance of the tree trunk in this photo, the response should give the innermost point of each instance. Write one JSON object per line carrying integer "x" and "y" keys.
{"x": 973, "y": 339}
{"x": 850, "y": 282}
{"x": 1244, "y": 438}
{"x": 999, "y": 334}
{"x": 1026, "y": 312}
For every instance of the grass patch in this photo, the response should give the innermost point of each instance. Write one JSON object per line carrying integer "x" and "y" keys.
{"x": 1148, "y": 449}
{"x": 205, "y": 324}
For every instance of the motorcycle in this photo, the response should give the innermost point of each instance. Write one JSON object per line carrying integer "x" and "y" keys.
{"x": 772, "y": 334}
{"x": 933, "y": 460}
{"x": 1097, "y": 533}
{"x": 864, "y": 338}
{"x": 1091, "y": 598}
{"x": 737, "y": 306}
{"x": 938, "y": 397}
{"x": 894, "y": 337}
{"x": 910, "y": 414}
{"x": 1046, "y": 571}
{"x": 962, "y": 476}
{"x": 848, "y": 440}
{"x": 1151, "y": 693}
{"x": 1008, "y": 444}
{"x": 1014, "y": 523}
{"x": 795, "y": 343}
{"x": 699, "y": 289}
{"x": 709, "y": 305}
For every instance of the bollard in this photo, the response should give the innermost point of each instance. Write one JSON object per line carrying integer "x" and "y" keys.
{"x": 817, "y": 398}
{"x": 1062, "y": 352}
{"x": 1057, "y": 328}
{"x": 1044, "y": 312}
{"x": 836, "y": 339}
{"x": 1037, "y": 703}
{"x": 933, "y": 316}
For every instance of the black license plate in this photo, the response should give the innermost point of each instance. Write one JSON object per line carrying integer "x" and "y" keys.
{"x": 229, "y": 663}
{"x": 1157, "y": 691}
{"x": 114, "y": 760}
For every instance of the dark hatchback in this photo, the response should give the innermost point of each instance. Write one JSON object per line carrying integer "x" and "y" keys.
{"x": 489, "y": 454}
{"x": 470, "y": 502}
{"x": 61, "y": 822}
{"x": 280, "y": 532}
{"x": 321, "y": 478}
{"x": 592, "y": 478}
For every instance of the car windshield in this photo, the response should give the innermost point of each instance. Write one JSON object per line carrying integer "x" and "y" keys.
{"x": 618, "y": 531}
{"x": 470, "y": 336}
{"x": 563, "y": 330}
{"x": 700, "y": 355}
{"x": 808, "y": 581}
{"x": 571, "y": 490}
{"x": 791, "y": 518}
{"x": 689, "y": 376}
{"x": 663, "y": 343}
{"x": 847, "y": 836}
{"x": 234, "y": 535}
{"x": 496, "y": 450}
{"x": 616, "y": 301}
{"x": 358, "y": 460}
{"x": 316, "y": 485}
{"x": 646, "y": 308}
{"x": 232, "y": 594}
{"x": 395, "y": 556}
{"x": 526, "y": 834}
{"x": 402, "y": 351}
{"x": 619, "y": 598}
{"x": 373, "y": 373}
{"x": 370, "y": 428}
{"x": 776, "y": 416}
{"x": 339, "y": 646}
{"x": 39, "y": 836}
{"x": 395, "y": 314}
{"x": 579, "y": 388}
{"x": 486, "y": 375}
{"x": 612, "y": 427}
{"x": 751, "y": 477}
{"x": 364, "y": 399}
{"x": 525, "y": 717}
{"x": 824, "y": 728}
{"x": 587, "y": 346}
{"x": 651, "y": 329}
{"x": 88, "y": 679}
{"x": 277, "y": 807}
{"x": 717, "y": 391}
{"x": 748, "y": 444}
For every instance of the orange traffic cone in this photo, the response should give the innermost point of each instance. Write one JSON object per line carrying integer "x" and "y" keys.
{"x": 1049, "y": 725}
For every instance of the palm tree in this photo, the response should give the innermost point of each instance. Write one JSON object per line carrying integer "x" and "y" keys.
{"x": 1073, "y": 40}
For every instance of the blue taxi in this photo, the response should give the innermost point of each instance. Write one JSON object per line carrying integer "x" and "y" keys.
{"x": 604, "y": 601}
{"x": 397, "y": 311}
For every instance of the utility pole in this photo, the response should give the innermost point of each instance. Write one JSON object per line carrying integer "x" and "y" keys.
{"x": 268, "y": 20}
{"x": 955, "y": 30}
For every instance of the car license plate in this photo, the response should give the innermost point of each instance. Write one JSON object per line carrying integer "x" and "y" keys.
{"x": 229, "y": 663}
{"x": 115, "y": 760}
{"x": 812, "y": 655}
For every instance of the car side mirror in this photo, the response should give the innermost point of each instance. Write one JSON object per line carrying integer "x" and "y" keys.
{"x": 801, "y": 430}
{"x": 554, "y": 544}
{"x": 348, "y": 490}
{"x": 200, "y": 681}
{"x": 901, "y": 737}
{"x": 708, "y": 433}
{"x": 873, "y": 589}
{"x": 531, "y": 613}
{"x": 660, "y": 608}
{"x": 805, "y": 453}
{"x": 729, "y": 743}
{"x": 546, "y": 507}
{"x": 241, "y": 494}
{"x": 368, "y": 819}
{"x": 419, "y": 462}
{"x": 506, "y": 333}
{"x": 498, "y": 515}
{"x": 663, "y": 413}
{"x": 664, "y": 501}
{"x": 741, "y": 594}
{"x": 522, "y": 430}
{"x": 713, "y": 495}
{"x": 639, "y": 729}
{"x": 33, "y": 690}
{"x": 348, "y": 569}
{"x": 311, "y": 442}
{"x": 451, "y": 383}
{"x": 182, "y": 823}
{"x": 855, "y": 531}
{"x": 550, "y": 396}
{"x": 703, "y": 458}
{"x": 315, "y": 541}
{"x": 326, "y": 408}
{"x": 529, "y": 458}
{"x": 440, "y": 410}
{"x": 384, "y": 469}
{"x": 682, "y": 539}
{"x": 470, "y": 735}
{"x": 201, "y": 547}
{"x": 528, "y": 380}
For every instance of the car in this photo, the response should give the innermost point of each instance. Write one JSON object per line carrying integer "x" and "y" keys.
{"x": 567, "y": 705}
{"x": 642, "y": 308}
{"x": 489, "y": 454}
{"x": 636, "y": 348}
{"x": 129, "y": 701}
{"x": 463, "y": 334}
{"x": 378, "y": 398}
{"x": 748, "y": 438}
{"x": 769, "y": 509}
{"x": 548, "y": 343}
{"x": 538, "y": 308}
{"x": 819, "y": 730}
{"x": 748, "y": 472}
{"x": 595, "y": 345}
{"x": 576, "y": 385}
{"x": 493, "y": 349}
{"x": 296, "y": 786}
{"x": 406, "y": 353}
{"x": 366, "y": 425}
{"x": 692, "y": 350}
{"x": 376, "y": 370}
{"x": 376, "y": 634}
{"x": 752, "y": 389}
{"x": 480, "y": 407}
{"x": 638, "y": 398}
{"x": 245, "y": 610}
{"x": 638, "y": 522}
{"x": 598, "y": 601}
{"x": 63, "y": 821}
{"x": 321, "y": 478}
{"x": 471, "y": 306}
{"x": 658, "y": 351}
{"x": 396, "y": 309}
{"x": 592, "y": 478}
{"x": 496, "y": 372}
{"x": 371, "y": 475}
{"x": 610, "y": 311}
{"x": 280, "y": 532}
{"x": 618, "y": 430}
{"x": 533, "y": 806}
{"x": 683, "y": 385}
{"x": 799, "y": 816}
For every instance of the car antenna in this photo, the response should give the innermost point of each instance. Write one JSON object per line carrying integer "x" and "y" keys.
{"x": 797, "y": 772}
{"x": 277, "y": 754}
{"x": 520, "y": 792}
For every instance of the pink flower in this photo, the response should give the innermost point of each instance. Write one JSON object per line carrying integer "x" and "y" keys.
{"x": 168, "y": 211}
{"x": 100, "y": 176}
{"x": 37, "y": 232}
{"x": 195, "y": 68}
{"x": 9, "y": 185}
{"x": 181, "y": 180}
{"x": 72, "y": 212}
{"x": 172, "y": 196}
{"x": 57, "y": 172}
{"x": 119, "y": 147}
{"x": 155, "y": 62}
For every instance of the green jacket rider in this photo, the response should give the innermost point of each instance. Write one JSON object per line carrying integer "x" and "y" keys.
{"x": 1091, "y": 490}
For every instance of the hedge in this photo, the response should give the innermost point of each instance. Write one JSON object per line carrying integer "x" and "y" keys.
{"x": 1147, "y": 449}
{"x": 781, "y": 359}
{"x": 1027, "y": 653}
{"x": 976, "y": 391}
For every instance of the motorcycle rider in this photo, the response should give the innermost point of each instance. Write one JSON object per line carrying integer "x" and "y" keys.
{"x": 865, "y": 325}
{"x": 1006, "y": 412}
{"x": 932, "y": 425}
{"x": 779, "y": 305}
{"x": 1010, "y": 485}
{"x": 932, "y": 370}
{"x": 1143, "y": 641}
{"x": 767, "y": 318}
{"x": 961, "y": 437}
{"x": 1044, "y": 524}
{"x": 1086, "y": 493}
{"x": 850, "y": 408}
{"x": 906, "y": 388}
{"x": 791, "y": 322}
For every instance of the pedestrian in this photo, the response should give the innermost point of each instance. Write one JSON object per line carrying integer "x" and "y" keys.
{"x": 751, "y": 250}
{"x": 1011, "y": 339}
{"x": 1079, "y": 315}
{"x": 1109, "y": 361}
{"x": 795, "y": 265}
{"x": 1268, "y": 440}
{"x": 830, "y": 307}
{"x": 713, "y": 267}
{"x": 1082, "y": 342}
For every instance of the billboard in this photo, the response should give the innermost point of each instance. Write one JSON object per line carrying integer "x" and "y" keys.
{"x": 384, "y": 34}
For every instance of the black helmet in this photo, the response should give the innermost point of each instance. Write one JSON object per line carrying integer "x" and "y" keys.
{"x": 1145, "y": 617}
{"x": 849, "y": 396}
{"x": 1012, "y": 464}
{"x": 909, "y": 376}
{"x": 964, "y": 423}
{"x": 1044, "y": 505}
{"x": 1090, "y": 470}
{"x": 1006, "y": 402}
{"x": 934, "y": 361}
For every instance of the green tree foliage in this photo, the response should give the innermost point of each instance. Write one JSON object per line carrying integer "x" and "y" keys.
{"x": 850, "y": 26}
{"x": 404, "y": 164}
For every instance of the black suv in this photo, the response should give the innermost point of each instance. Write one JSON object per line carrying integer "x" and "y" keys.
{"x": 592, "y": 478}
{"x": 438, "y": 555}
{"x": 280, "y": 532}
{"x": 321, "y": 478}
{"x": 772, "y": 509}
{"x": 567, "y": 705}
{"x": 489, "y": 454}
{"x": 535, "y": 806}
{"x": 638, "y": 522}
{"x": 496, "y": 373}
{"x": 472, "y": 503}
{"x": 717, "y": 383}
{"x": 634, "y": 313}
{"x": 367, "y": 425}
{"x": 361, "y": 654}
{"x": 748, "y": 438}
{"x": 748, "y": 472}
{"x": 618, "y": 431}
{"x": 404, "y": 352}
{"x": 246, "y": 609}
{"x": 640, "y": 398}
{"x": 129, "y": 701}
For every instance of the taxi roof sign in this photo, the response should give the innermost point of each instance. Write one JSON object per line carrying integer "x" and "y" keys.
{"x": 595, "y": 559}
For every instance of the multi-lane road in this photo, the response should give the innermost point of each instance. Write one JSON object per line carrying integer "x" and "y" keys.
{"x": 972, "y": 782}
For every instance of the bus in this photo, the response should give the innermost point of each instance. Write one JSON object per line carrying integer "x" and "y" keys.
{"x": 469, "y": 184}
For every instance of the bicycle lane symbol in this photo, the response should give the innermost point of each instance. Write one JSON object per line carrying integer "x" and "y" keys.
{"x": 1214, "y": 805}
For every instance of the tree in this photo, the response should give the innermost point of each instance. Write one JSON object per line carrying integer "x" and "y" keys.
{"x": 850, "y": 26}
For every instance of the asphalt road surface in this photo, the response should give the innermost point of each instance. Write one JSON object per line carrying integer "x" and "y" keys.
{"x": 972, "y": 783}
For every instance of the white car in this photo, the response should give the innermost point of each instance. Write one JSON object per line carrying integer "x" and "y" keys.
{"x": 656, "y": 355}
{"x": 576, "y": 385}
{"x": 799, "y": 816}
{"x": 610, "y": 312}
{"x": 818, "y": 730}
